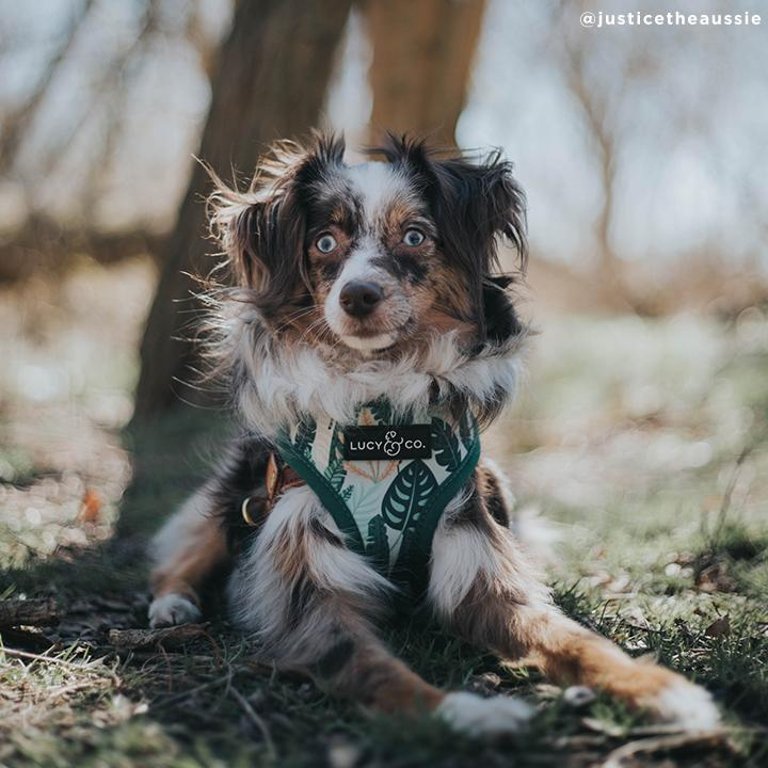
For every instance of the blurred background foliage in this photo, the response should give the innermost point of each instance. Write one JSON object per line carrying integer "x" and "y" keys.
{"x": 642, "y": 150}
{"x": 642, "y": 424}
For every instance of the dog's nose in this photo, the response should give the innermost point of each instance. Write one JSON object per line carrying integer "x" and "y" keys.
{"x": 360, "y": 299}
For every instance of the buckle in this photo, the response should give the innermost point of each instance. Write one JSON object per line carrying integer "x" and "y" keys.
{"x": 277, "y": 479}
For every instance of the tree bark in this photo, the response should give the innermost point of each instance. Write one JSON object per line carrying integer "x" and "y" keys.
{"x": 270, "y": 83}
{"x": 422, "y": 61}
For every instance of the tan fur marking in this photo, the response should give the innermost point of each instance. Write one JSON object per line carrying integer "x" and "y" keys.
{"x": 493, "y": 616}
{"x": 203, "y": 549}
{"x": 402, "y": 211}
{"x": 569, "y": 654}
{"x": 386, "y": 684}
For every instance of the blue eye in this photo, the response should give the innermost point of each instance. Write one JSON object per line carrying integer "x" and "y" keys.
{"x": 414, "y": 237}
{"x": 326, "y": 243}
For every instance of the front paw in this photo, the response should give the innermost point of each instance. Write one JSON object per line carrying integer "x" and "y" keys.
{"x": 475, "y": 716}
{"x": 171, "y": 609}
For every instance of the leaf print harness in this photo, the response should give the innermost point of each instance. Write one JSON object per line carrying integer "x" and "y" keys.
{"x": 385, "y": 482}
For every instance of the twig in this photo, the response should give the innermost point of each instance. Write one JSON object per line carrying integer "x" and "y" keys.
{"x": 256, "y": 720}
{"x": 727, "y": 496}
{"x": 197, "y": 689}
{"x": 658, "y": 743}
{"x": 145, "y": 638}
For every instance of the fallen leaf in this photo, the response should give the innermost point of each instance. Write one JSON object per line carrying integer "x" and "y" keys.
{"x": 715, "y": 578}
{"x": 720, "y": 627}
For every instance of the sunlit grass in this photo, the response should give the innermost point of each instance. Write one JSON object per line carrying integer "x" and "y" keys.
{"x": 644, "y": 441}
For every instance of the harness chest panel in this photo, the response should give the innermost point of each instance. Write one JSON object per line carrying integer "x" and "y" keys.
{"x": 387, "y": 508}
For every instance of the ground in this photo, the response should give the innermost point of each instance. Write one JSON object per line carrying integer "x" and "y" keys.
{"x": 643, "y": 442}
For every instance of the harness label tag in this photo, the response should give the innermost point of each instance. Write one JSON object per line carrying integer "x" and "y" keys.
{"x": 388, "y": 442}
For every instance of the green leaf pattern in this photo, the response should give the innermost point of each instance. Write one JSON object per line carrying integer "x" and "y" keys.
{"x": 377, "y": 544}
{"x": 336, "y": 451}
{"x": 336, "y": 473}
{"x": 408, "y": 495}
{"x": 381, "y": 410}
{"x": 386, "y": 505}
{"x": 305, "y": 436}
{"x": 445, "y": 445}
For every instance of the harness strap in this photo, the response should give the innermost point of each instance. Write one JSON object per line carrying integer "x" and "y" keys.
{"x": 386, "y": 484}
{"x": 324, "y": 491}
{"x": 412, "y": 564}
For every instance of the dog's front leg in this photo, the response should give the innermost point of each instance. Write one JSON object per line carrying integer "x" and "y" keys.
{"x": 312, "y": 602}
{"x": 186, "y": 551}
{"x": 484, "y": 588}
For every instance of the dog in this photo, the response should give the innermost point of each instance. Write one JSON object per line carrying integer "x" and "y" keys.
{"x": 367, "y": 340}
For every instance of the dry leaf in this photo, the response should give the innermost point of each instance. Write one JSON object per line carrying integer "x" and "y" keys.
{"x": 720, "y": 627}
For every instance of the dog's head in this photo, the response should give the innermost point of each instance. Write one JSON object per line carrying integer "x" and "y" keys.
{"x": 375, "y": 258}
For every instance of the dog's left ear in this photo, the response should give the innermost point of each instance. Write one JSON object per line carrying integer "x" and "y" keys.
{"x": 502, "y": 204}
{"x": 474, "y": 204}
{"x": 477, "y": 203}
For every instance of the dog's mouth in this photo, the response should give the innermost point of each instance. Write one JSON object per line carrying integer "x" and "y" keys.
{"x": 373, "y": 338}
{"x": 378, "y": 342}
{"x": 369, "y": 328}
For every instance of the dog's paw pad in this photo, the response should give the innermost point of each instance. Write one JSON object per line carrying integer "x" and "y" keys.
{"x": 476, "y": 716}
{"x": 686, "y": 705}
{"x": 170, "y": 610}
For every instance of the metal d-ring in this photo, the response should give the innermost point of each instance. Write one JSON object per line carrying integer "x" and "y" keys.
{"x": 244, "y": 510}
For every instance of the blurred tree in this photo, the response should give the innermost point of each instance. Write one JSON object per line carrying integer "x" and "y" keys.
{"x": 55, "y": 163}
{"x": 270, "y": 82}
{"x": 632, "y": 97}
{"x": 422, "y": 59}
{"x": 269, "y": 79}
{"x": 17, "y": 121}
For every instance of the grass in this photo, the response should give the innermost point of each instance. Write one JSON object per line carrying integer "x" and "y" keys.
{"x": 644, "y": 442}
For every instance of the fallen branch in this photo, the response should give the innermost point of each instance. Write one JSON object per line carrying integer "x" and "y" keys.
{"x": 16, "y": 613}
{"x": 146, "y": 638}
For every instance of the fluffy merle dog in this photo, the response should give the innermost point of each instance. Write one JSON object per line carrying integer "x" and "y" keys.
{"x": 367, "y": 297}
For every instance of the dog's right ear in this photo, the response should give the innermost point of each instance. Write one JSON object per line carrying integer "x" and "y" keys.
{"x": 262, "y": 231}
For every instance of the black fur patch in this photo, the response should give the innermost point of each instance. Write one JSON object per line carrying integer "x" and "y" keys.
{"x": 403, "y": 267}
{"x": 501, "y": 320}
{"x": 303, "y": 594}
{"x": 330, "y": 270}
{"x": 494, "y": 501}
{"x": 239, "y": 477}
{"x": 335, "y": 658}
{"x": 472, "y": 513}
{"x": 321, "y": 532}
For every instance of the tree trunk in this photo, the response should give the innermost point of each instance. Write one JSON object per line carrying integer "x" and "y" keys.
{"x": 270, "y": 82}
{"x": 422, "y": 60}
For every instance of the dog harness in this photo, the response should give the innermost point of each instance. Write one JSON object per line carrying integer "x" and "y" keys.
{"x": 386, "y": 482}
